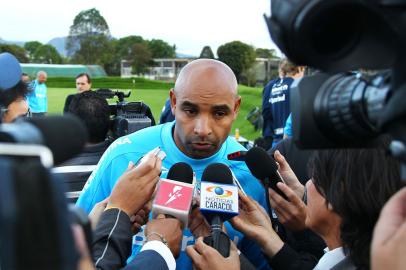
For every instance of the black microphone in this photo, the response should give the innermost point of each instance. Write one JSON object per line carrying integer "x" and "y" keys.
{"x": 181, "y": 172}
{"x": 65, "y": 136}
{"x": 264, "y": 167}
{"x": 219, "y": 202}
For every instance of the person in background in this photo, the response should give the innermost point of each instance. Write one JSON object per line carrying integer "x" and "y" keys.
{"x": 83, "y": 84}
{"x": 166, "y": 114}
{"x": 275, "y": 100}
{"x": 37, "y": 99}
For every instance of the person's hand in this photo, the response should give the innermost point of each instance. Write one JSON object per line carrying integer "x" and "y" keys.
{"x": 135, "y": 187}
{"x": 291, "y": 213}
{"x": 205, "y": 257}
{"x": 255, "y": 223}
{"x": 198, "y": 225}
{"x": 388, "y": 246}
{"x": 289, "y": 177}
{"x": 139, "y": 219}
{"x": 169, "y": 228}
{"x": 96, "y": 212}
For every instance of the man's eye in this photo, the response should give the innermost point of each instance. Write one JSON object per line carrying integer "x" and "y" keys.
{"x": 220, "y": 114}
{"x": 190, "y": 111}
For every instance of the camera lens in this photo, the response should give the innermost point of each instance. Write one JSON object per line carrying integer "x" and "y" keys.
{"x": 347, "y": 106}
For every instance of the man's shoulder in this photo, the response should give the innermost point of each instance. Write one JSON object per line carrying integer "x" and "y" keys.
{"x": 138, "y": 142}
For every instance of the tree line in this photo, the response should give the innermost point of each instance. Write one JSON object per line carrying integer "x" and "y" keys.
{"x": 90, "y": 42}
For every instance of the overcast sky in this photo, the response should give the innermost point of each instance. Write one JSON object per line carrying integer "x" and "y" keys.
{"x": 190, "y": 24}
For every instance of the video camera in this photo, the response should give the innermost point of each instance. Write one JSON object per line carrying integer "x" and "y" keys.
{"x": 349, "y": 109}
{"x": 127, "y": 117}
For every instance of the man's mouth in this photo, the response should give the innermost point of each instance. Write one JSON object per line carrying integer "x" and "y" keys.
{"x": 202, "y": 145}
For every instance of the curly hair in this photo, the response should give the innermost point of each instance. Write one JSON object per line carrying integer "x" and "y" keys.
{"x": 357, "y": 183}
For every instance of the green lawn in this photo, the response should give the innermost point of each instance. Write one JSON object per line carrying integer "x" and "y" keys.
{"x": 155, "y": 98}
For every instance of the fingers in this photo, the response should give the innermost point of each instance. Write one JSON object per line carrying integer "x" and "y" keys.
{"x": 283, "y": 164}
{"x": 391, "y": 218}
{"x": 292, "y": 197}
{"x": 150, "y": 165}
{"x": 247, "y": 203}
{"x": 201, "y": 247}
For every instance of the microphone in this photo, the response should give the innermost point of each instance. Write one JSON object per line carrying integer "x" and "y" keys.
{"x": 65, "y": 136}
{"x": 218, "y": 203}
{"x": 175, "y": 194}
{"x": 264, "y": 167}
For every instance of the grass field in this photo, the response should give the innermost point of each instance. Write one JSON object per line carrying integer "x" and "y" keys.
{"x": 155, "y": 98}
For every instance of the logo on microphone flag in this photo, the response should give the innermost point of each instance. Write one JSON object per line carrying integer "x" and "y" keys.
{"x": 173, "y": 195}
{"x": 216, "y": 197}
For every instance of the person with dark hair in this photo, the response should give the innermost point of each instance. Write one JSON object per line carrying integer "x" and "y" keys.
{"x": 94, "y": 111}
{"x": 83, "y": 84}
{"x": 275, "y": 100}
{"x": 355, "y": 185}
{"x": 37, "y": 99}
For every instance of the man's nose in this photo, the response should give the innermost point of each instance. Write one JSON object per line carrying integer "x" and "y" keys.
{"x": 202, "y": 127}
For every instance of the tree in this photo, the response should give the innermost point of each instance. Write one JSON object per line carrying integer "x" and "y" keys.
{"x": 31, "y": 47}
{"x": 238, "y": 56}
{"x": 141, "y": 58}
{"x": 47, "y": 54}
{"x": 17, "y": 51}
{"x": 89, "y": 39}
{"x": 206, "y": 53}
{"x": 265, "y": 53}
{"x": 161, "y": 49}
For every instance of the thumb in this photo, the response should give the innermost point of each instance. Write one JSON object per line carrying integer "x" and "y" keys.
{"x": 281, "y": 160}
{"x": 160, "y": 216}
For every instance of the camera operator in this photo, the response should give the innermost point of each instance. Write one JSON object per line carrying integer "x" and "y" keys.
{"x": 94, "y": 111}
{"x": 83, "y": 84}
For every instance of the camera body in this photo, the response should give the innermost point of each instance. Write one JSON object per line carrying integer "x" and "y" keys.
{"x": 339, "y": 108}
{"x": 126, "y": 117}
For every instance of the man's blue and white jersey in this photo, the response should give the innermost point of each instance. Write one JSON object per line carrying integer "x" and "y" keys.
{"x": 131, "y": 147}
{"x": 276, "y": 107}
{"x": 37, "y": 98}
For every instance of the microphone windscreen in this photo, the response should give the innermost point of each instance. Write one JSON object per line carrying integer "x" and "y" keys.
{"x": 260, "y": 163}
{"x": 217, "y": 173}
{"x": 65, "y": 135}
{"x": 181, "y": 172}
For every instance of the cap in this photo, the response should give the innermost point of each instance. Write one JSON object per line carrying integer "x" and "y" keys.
{"x": 10, "y": 71}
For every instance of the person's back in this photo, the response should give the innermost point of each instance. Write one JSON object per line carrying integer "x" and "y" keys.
{"x": 276, "y": 101}
{"x": 94, "y": 111}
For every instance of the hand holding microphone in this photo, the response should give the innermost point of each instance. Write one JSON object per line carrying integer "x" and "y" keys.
{"x": 135, "y": 187}
{"x": 166, "y": 230}
{"x": 255, "y": 223}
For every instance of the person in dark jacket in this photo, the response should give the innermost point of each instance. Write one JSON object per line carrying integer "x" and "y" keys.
{"x": 94, "y": 111}
{"x": 83, "y": 84}
{"x": 275, "y": 100}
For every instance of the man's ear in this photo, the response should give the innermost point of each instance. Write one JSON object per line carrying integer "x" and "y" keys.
{"x": 172, "y": 97}
{"x": 237, "y": 105}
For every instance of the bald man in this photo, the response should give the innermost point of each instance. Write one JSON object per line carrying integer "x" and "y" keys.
{"x": 205, "y": 103}
{"x": 37, "y": 99}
